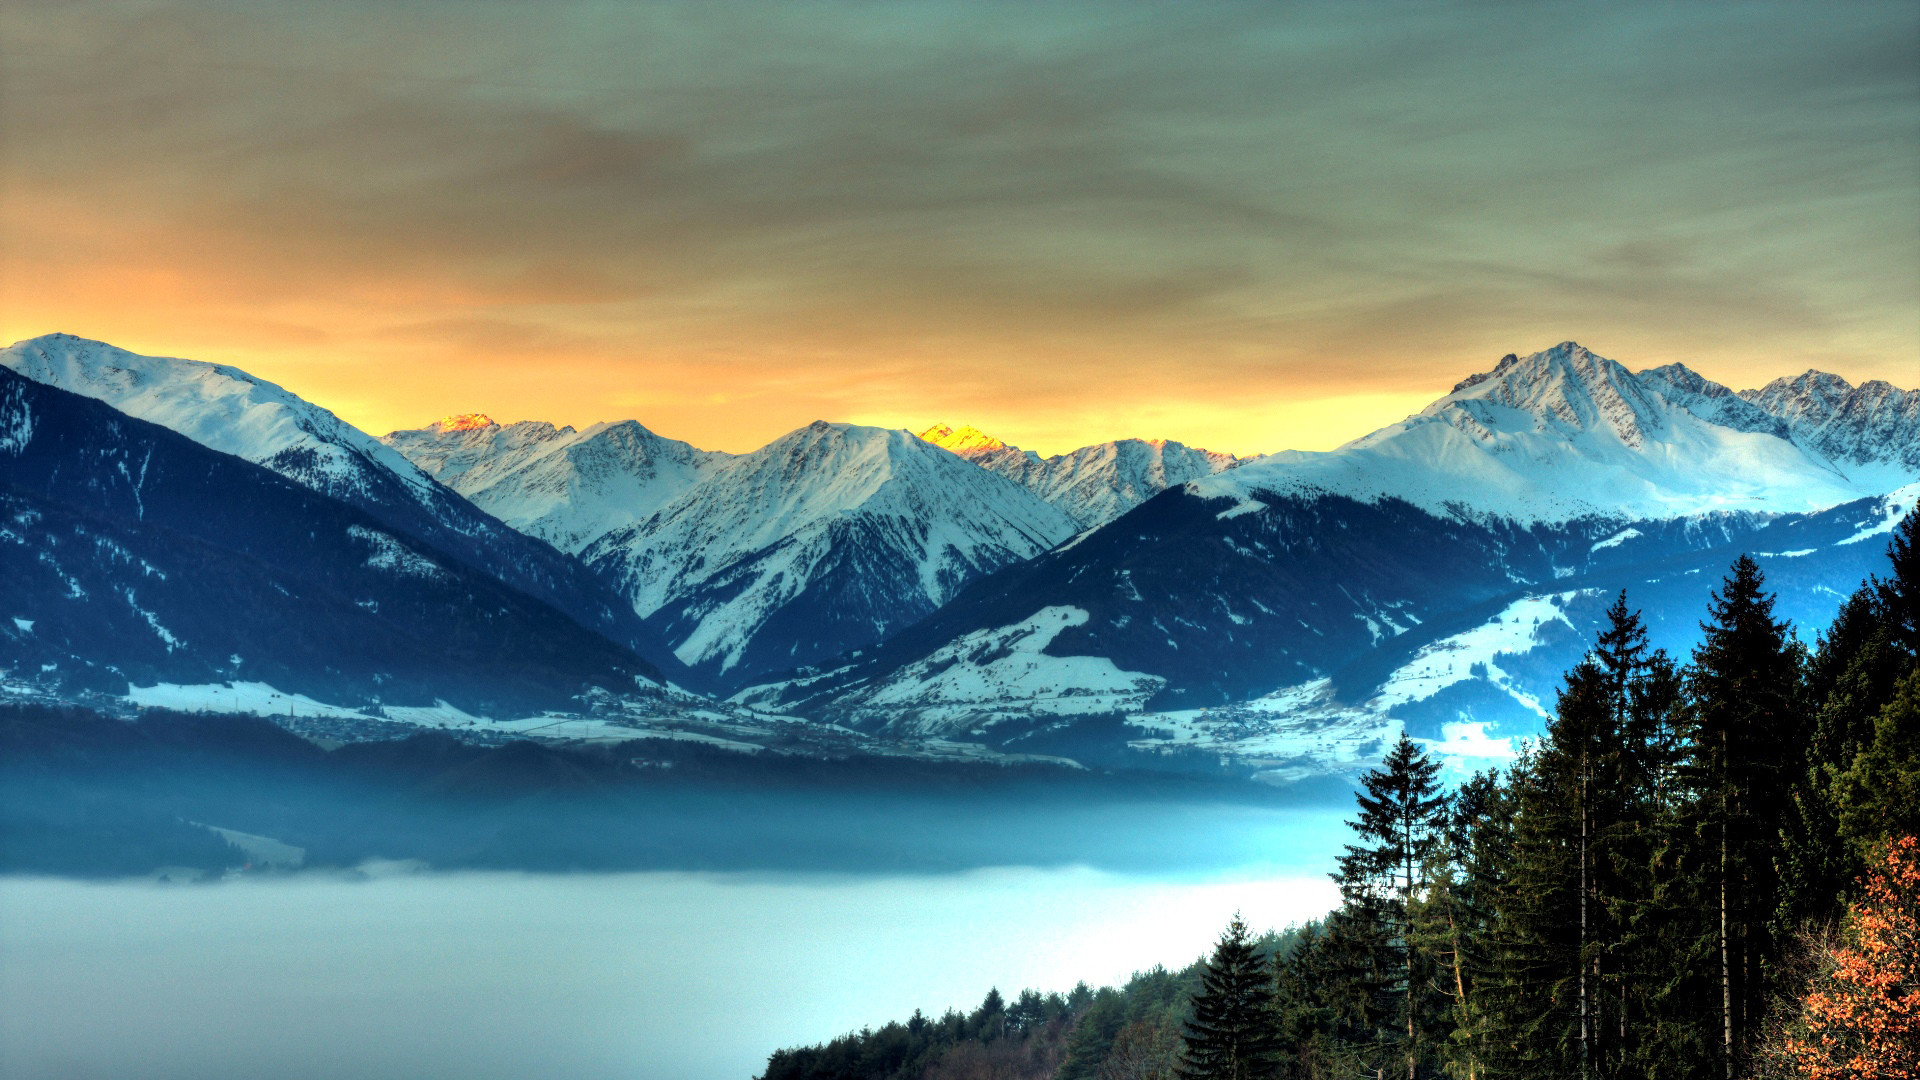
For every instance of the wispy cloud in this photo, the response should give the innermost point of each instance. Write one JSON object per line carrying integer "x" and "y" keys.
{"x": 1065, "y": 222}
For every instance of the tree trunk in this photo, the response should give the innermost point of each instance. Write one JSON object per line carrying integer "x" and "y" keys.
{"x": 1407, "y": 925}
{"x": 1580, "y": 963}
{"x": 1726, "y": 965}
{"x": 1459, "y": 982}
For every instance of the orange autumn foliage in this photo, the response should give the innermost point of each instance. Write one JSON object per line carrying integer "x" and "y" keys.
{"x": 1861, "y": 1019}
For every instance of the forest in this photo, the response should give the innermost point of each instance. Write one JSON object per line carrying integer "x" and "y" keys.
{"x": 1706, "y": 867}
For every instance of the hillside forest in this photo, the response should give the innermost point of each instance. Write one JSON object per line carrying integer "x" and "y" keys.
{"x": 1707, "y": 867}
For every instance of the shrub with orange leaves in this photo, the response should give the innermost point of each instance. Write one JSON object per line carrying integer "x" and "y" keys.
{"x": 1860, "y": 1019}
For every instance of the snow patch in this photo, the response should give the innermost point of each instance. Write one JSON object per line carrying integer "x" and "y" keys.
{"x": 254, "y": 698}
{"x": 1616, "y": 539}
{"x": 391, "y": 555}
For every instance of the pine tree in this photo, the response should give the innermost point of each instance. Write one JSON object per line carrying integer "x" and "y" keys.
{"x": 1402, "y": 817}
{"x": 1450, "y": 920}
{"x": 1850, "y": 678}
{"x": 1646, "y": 1007}
{"x": 1899, "y": 595}
{"x": 1231, "y": 1034}
{"x": 1879, "y": 794}
{"x": 1746, "y": 746}
{"x": 1525, "y": 864}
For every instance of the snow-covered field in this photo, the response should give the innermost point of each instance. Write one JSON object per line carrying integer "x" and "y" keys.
{"x": 993, "y": 674}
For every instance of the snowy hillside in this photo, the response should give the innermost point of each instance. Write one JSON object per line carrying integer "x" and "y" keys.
{"x": 1093, "y": 484}
{"x": 827, "y": 539}
{"x": 564, "y": 486}
{"x": 1558, "y": 436}
{"x": 1318, "y": 599}
{"x": 136, "y": 557}
{"x": 228, "y": 410}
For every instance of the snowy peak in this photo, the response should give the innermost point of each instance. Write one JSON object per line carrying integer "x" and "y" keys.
{"x": 963, "y": 441}
{"x": 463, "y": 422}
{"x": 828, "y": 538}
{"x": 1684, "y": 388}
{"x": 1564, "y": 434}
{"x": 449, "y": 450}
{"x": 827, "y": 469}
{"x": 228, "y": 410}
{"x": 1094, "y": 484}
{"x": 1871, "y": 431}
{"x": 1566, "y": 389}
{"x": 566, "y": 487}
{"x": 223, "y": 408}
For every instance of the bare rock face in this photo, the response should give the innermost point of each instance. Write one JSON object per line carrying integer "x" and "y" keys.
{"x": 1867, "y": 428}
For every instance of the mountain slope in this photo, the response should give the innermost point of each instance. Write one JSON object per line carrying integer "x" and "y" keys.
{"x": 1093, "y": 484}
{"x": 566, "y": 487}
{"x": 1496, "y": 521}
{"x": 135, "y": 556}
{"x": 830, "y": 538}
{"x": 1870, "y": 432}
{"x": 1556, "y": 437}
{"x": 228, "y": 410}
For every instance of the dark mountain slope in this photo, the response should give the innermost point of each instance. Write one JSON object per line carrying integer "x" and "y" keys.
{"x": 132, "y": 554}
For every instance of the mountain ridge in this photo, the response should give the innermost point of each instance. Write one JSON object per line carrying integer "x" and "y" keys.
{"x": 232, "y": 412}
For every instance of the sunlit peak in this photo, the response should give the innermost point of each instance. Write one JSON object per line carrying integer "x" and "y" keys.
{"x": 463, "y": 422}
{"x": 962, "y": 440}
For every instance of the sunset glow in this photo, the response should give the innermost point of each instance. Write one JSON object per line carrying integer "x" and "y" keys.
{"x": 1058, "y": 225}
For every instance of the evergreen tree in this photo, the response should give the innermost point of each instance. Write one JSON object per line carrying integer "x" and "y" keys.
{"x": 1879, "y": 795}
{"x": 1532, "y": 949}
{"x": 1850, "y": 678}
{"x": 1231, "y": 1033}
{"x": 1746, "y": 743}
{"x": 1400, "y": 826}
{"x": 1450, "y": 921}
{"x": 1899, "y": 595}
{"x": 1305, "y": 1021}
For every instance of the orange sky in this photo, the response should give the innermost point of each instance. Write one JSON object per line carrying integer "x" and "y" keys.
{"x": 1242, "y": 228}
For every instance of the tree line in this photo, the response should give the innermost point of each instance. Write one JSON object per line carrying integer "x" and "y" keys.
{"x": 1660, "y": 887}
{"x": 1704, "y": 869}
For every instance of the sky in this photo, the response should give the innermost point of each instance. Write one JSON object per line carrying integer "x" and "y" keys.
{"x": 1248, "y": 227}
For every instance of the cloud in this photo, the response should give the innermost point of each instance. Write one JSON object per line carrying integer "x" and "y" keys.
{"x": 1048, "y": 215}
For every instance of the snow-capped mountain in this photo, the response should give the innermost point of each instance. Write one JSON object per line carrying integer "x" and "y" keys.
{"x": 830, "y": 538}
{"x": 564, "y": 486}
{"x": 1869, "y": 432}
{"x": 228, "y": 410}
{"x": 137, "y": 559}
{"x": 1093, "y": 484}
{"x": 1342, "y": 587}
{"x": 1556, "y": 437}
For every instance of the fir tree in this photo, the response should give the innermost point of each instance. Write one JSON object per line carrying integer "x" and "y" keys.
{"x": 1746, "y": 743}
{"x": 1899, "y": 595}
{"x": 1402, "y": 818}
{"x": 1450, "y": 921}
{"x": 1525, "y": 864}
{"x": 1231, "y": 1033}
{"x": 1851, "y": 677}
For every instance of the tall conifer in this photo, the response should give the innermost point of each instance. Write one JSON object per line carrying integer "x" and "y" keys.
{"x": 1746, "y": 743}
{"x": 1400, "y": 825}
{"x": 1232, "y": 1033}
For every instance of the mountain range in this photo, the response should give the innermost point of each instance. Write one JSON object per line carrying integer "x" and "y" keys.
{"x": 1130, "y": 601}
